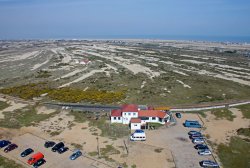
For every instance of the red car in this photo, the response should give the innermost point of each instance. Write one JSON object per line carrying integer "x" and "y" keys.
{"x": 10, "y": 148}
{"x": 34, "y": 158}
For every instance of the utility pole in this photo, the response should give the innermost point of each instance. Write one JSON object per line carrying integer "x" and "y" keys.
{"x": 98, "y": 148}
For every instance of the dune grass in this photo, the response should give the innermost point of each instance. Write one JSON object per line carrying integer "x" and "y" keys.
{"x": 3, "y": 105}
{"x": 23, "y": 117}
{"x": 7, "y": 163}
{"x": 245, "y": 109}
{"x": 236, "y": 154}
{"x": 223, "y": 114}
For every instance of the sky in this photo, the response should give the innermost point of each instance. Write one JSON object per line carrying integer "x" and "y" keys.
{"x": 48, "y": 19}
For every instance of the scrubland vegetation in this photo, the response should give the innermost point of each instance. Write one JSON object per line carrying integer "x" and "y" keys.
{"x": 66, "y": 94}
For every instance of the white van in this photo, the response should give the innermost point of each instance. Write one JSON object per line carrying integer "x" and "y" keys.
{"x": 138, "y": 135}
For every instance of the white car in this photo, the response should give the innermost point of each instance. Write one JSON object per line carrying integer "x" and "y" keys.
{"x": 209, "y": 163}
{"x": 205, "y": 152}
{"x": 198, "y": 141}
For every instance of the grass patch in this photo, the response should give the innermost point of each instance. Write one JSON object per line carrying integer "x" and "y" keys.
{"x": 155, "y": 125}
{"x": 110, "y": 130}
{"x": 23, "y": 117}
{"x": 7, "y": 163}
{"x": 107, "y": 151}
{"x": 244, "y": 132}
{"x": 201, "y": 113}
{"x": 103, "y": 123}
{"x": 3, "y": 105}
{"x": 133, "y": 166}
{"x": 54, "y": 133}
{"x": 236, "y": 154}
{"x": 43, "y": 74}
{"x": 158, "y": 150}
{"x": 245, "y": 109}
{"x": 77, "y": 146}
{"x": 93, "y": 153}
{"x": 223, "y": 114}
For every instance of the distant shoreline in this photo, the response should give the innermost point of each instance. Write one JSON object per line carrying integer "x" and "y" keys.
{"x": 212, "y": 39}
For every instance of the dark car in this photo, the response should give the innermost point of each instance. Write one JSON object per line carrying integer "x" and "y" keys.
{"x": 57, "y": 146}
{"x": 194, "y": 133}
{"x": 49, "y": 144}
{"x": 75, "y": 155}
{"x": 201, "y": 147}
{"x": 10, "y": 148}
{"x": 26, "y": 152}
{"x": 195, "y": 136}
{"x": 39, "y": 163}
{"x": 178, "y": 115}
{"x": 62, "y": 150}
{"x": 4, "y": 143}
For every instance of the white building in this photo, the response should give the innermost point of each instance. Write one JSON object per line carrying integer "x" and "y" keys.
{"x": 129, "y": 114}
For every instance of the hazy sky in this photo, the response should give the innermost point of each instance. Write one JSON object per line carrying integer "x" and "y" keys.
{"x": 82, "y": 18}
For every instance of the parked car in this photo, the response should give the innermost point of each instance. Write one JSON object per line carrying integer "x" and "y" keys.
{"x": 57, "y": 146}
{"x": 62, "y": 150}
{"x": 75, "y": 155}
{"x": 26, "y": 152}
{"x": 39, "y": 163}
{"x": 34, "y": 158}
{"x": 10, "y": 148}
{"x": 201, "y": 146}
{"x": 194, "y": 133}
{"x": 198, "y": 141}
{"x": 192, "y": 124}
{"x": 196, "y": 136}
{"x": 205, "y": 152}
{"x": 178, "y": 115}
{"x": 4, "y": 143}
{"x": 49, "y": 144}
{"x": 209, "y": 163}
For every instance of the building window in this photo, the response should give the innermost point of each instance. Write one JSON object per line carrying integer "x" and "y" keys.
{"x": 114, "y": 118}
{"x": 129, "y": 114}
{"x": 153, "y": 118}
{"x": 135, "y": 125}
{"x": 124, "y": 113}
{"x": 119, "y": 118}
{"x": 144, "y": 118}
{"x": 160, "y": 119}
{"x": 134, "y": 114}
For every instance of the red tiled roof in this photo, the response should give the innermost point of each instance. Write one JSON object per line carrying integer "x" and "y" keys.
{"x": 129, "y": 108}
{"x": 135, "y": 120}
{"x": 151, "y": 113}
{"x": 116, "y": 113}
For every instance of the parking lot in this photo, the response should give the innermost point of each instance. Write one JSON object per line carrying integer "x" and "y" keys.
{"x": 53, "y": 159}
{"x": 176, "y": 139}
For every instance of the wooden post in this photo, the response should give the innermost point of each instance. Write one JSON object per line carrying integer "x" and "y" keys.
{"x": 98, "y": 148}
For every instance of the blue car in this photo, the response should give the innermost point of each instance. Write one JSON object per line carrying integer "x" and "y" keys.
{"x": 178, "y": 115}
{"x": 26, "y": 152}
{"x": 192, "y": 124}
{"x": 4, "y": 143}
{"x": 75, "y": 155}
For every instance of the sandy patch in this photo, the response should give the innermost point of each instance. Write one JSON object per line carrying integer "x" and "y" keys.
{"x": 44, "y": 110}
{"x": 71, "y": 74}
{"x": 181, "y": 73}
{"x": 221, "y": 130}
{"x": 184, "y": 85}
{"x": 82, "y": 77}
{"x": 36, "y": 66}
{"x": 13, "y": 106}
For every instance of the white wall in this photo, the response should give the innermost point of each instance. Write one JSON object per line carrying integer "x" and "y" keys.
{"x": 126, "y": 117}
{"x": 135, "y": 126}
{"x": 153, "y": 121}
{"x": 116, "y": 120}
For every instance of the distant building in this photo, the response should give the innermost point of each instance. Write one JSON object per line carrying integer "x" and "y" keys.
{"x": 133, "y": 115}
